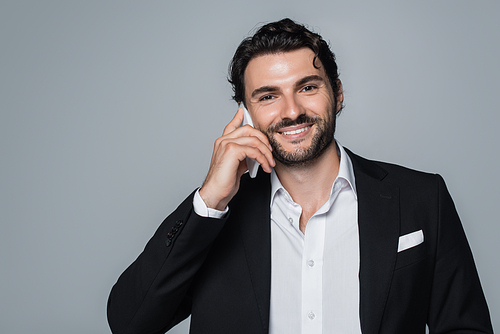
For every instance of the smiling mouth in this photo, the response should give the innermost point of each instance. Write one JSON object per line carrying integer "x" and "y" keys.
{"x": 294, "y": 132}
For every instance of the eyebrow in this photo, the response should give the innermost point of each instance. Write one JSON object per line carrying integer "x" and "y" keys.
{"x": 309, "y": 78}
{"x": 304, "y": 80}
{"x": 264, "y": 89}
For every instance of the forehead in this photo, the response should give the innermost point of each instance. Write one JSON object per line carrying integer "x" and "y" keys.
{"x": 281, "y": 69}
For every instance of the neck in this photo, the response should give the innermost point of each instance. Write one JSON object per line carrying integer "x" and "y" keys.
{"x": 310, "y": 185}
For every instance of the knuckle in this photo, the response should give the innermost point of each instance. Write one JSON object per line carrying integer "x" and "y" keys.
{"x": 220, "y": 141}
{"x": 231, "y": 146}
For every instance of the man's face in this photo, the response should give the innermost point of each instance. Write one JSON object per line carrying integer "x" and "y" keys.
{"x": 292, "y": 102}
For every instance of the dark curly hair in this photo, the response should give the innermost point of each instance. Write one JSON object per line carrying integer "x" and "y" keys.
{"x": 276, "y": 37}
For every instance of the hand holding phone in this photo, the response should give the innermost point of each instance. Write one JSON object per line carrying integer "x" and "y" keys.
{"x": 252, "y": 164}
{"x": 226, "y": 167}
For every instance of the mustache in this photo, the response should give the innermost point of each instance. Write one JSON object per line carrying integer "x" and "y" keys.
{"x": 289, "y": 122}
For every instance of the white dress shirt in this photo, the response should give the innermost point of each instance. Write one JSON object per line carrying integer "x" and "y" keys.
{"x": 314, "y": 276}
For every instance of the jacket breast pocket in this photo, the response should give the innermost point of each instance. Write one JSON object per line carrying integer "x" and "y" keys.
{"x": 411, "y": 256}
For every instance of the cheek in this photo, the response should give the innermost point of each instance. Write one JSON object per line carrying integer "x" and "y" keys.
{"x": 318, "y": 106}
{"x": 317, "y": 102}
{"x": 328, "y": 102}
{"x": 265, "y": 117}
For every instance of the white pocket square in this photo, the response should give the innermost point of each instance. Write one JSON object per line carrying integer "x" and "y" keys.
{"x": 410, "y": 240}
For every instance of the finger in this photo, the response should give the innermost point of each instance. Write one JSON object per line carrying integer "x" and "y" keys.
{"x": 260, "y": 157}
{"x": 265, "y": 150}
{"x": 235, "y": 122}
{"x": 242, "y": 168}
{"x": 250, "y": 147}
{"x": 248, "y": 131}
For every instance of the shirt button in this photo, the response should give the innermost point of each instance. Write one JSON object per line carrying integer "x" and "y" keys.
{"x": 310, "y": 263}
{"x": 290, "y": 220}
{"x": 311, "y": 315}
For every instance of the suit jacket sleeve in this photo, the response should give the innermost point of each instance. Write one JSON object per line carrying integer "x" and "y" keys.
{"x": 152, "y": 295}
{"x": 457, "y": 300}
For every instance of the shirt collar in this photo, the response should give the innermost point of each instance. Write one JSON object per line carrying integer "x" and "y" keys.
{"x": 346, "y": 172}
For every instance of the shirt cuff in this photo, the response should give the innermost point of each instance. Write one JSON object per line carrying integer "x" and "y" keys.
{"x": 200, "y": 208}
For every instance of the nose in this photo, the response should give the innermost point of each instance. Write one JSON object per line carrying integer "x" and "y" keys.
{"x": 292, "y": 108}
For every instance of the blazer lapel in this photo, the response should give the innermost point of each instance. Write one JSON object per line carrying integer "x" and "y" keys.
{"x": 255, "y": 229}
{"x": 378, "y": 221}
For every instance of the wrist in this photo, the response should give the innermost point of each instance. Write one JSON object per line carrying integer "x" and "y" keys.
{"x": 211, "y": 201}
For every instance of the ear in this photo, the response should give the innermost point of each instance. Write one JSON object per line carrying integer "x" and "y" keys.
{"x": 339, "y": 96}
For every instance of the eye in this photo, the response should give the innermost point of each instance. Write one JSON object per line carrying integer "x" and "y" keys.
{"x": 266, "y": 98}
{"x": 308, "y": 88}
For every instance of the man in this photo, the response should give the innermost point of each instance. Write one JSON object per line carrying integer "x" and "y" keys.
{"x": 321, "y": 241}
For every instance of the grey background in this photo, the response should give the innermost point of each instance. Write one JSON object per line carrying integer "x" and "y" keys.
{"x": 108, "y": 112}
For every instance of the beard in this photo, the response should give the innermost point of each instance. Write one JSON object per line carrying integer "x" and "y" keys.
{"x": 299, "y": 157}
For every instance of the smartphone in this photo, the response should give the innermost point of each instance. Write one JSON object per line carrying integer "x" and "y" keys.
{"x": 252, "y": 164}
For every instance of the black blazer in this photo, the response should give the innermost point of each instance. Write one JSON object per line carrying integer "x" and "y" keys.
{"x": 219, "y": 270}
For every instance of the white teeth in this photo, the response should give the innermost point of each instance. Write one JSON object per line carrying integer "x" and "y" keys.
{"x": 294, "y": 132}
